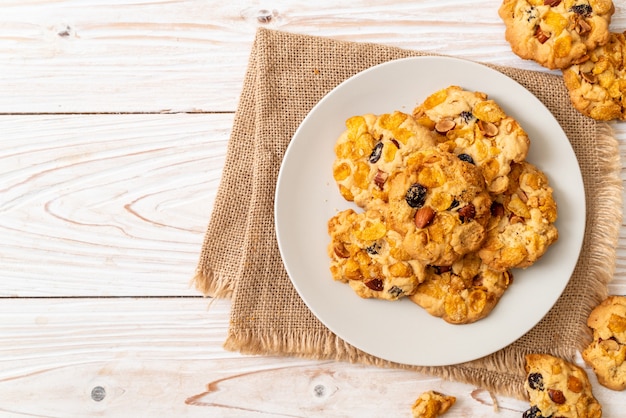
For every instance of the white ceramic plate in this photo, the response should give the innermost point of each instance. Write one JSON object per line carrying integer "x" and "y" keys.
{"x": 307, "y": 196}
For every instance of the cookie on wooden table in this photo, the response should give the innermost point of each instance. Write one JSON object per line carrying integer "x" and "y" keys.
{"x": 521, "y": 227}
{"x": 558, "y": 388}
{"x": 368, "y": 256}
{"x": 440, "y": 205}
{"x": 556, "y": 33}
{"x": 597, "y": 87}
{"x": 607, "y": 352}
{"x": 477, "y": 129}
{"x": 463, "y": 293}
{"x": 432, "y": 404}
{"x": 372, "y": 148}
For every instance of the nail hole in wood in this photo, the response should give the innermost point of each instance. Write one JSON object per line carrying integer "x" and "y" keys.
{"x": 98, "y": 393}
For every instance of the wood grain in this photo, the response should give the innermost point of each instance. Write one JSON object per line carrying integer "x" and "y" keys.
{"x": 115, "y": 118}
{"x": 106, "y": 205}
{"x": 70, "y": 56}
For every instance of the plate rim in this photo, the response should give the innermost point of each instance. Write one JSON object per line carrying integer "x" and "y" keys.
{"x": 328, "y": 96}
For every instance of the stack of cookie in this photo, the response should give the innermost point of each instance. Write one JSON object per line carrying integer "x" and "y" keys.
{"x": 573, "y": 36}
{"x": 450, "y": 205}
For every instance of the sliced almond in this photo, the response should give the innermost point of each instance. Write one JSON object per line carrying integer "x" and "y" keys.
{"x": 341, "y": 250}
{"x": 487, "y": 128}
{"x": 589, "y": 77}
{"x": 445, "y": 125}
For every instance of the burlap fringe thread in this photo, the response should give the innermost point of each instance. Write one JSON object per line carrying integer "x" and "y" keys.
{"x": 327, "y": 346}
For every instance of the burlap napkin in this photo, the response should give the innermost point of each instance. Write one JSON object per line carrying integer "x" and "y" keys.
{"x": 287, "y": 75}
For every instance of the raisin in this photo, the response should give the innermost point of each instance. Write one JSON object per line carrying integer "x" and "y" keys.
{"x": 416, "y": 195}
{"x": 467, "y": 158}
{"x": 454, "y": 204}
{"x": 535, "y": 381}
{"x": 467, "y": 116}
{"x": 373, "y": 249}
{"x": 395, "y": 291}
{"x": 497, "y": 209}
{"x": 441, "y": 269}
{"x": 375, "y": 284}
{"x": 582, "y": 9}
{"x": 376, "y": 153}
{"x": 534, "y": 412}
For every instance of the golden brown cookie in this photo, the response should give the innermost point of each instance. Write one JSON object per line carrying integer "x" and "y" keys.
{"x": 371, "y": 149}
{"x": 368, "y": 256}
{"x": 607, "y": 352}
{"x": 597, "y": 87}
{"x": 521, "y": 227}
{"x": 432, "y": 404}
{"x": 463, "y": 293}
{"x": 440, "y": 206}
{"x": 558, "y": 388}
{"x": 556, "y": 33}
{"x": 477, "y": 129}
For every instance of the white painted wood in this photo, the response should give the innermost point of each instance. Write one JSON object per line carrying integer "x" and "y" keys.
{"x": 163, "y": 357}
{"x": 106, "y": 205}
{"x": 181, "y": 56}
{"x": 115, "y": 205}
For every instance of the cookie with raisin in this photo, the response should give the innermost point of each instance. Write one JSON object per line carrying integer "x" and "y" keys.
{"x": 440, "y": 206}
{"x": 597, "y": 87}
{"x": 372, "y": 148}
{"x": 558, "y": 388}
{"x": 606, "y": 354}
{"x": 477, "y": 129}
{"x": 556, "y": 33}
{"x": 368, "y": 255}
{"x": 432, "y": 404}
{"x": 521, "y": 227}
{"x": 462, "y": 293}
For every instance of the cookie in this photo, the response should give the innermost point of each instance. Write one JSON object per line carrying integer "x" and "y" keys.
{"x": 558, "y": 388}
{"x": 432, "y": 404}
{"x": 368, "y": 255}
{"x": 477, "y": 129}
{"x": 463, "y": 293}
{"x": 440, "y": 205}
{"x": 371, "y": 149}
{"x": 556, "y": 33}
{"x": 607, "y": 352}
{"x": 521, "y": 227}
{"x": 597, "y": 87}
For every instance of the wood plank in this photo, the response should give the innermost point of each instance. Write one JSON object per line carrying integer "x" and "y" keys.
{"x": 163, "y": 357}
{"x": 117, "y": 205}
{"x": 106, "y": 205}
{"x": 70, "y": 56}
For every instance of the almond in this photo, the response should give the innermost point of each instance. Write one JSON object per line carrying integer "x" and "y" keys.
{"x": 380, "y": 178}
{"x": 424, "y": 216}
{"x": 541, "y": 36}
{"x": 445, "y": 125}
{"x": 341, "y": 251}
{"x": 467, "y": 212}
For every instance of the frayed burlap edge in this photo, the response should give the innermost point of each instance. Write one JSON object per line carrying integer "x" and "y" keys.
{"x": 320, "y": 345}
{"x": 604, "y": 234}
{"x": 605, "y": 231}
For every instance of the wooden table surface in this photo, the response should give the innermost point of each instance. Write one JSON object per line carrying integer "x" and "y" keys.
{"x": 114, "y": 122}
